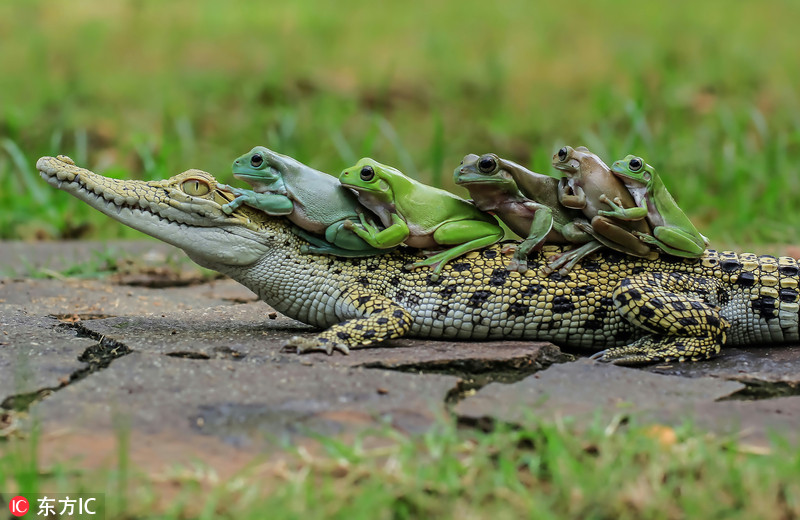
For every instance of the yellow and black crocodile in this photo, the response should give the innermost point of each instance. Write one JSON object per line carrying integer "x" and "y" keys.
{"x": 634, "y": 310}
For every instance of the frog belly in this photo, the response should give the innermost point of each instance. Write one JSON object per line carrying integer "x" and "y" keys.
{"x": 422, "y": 242}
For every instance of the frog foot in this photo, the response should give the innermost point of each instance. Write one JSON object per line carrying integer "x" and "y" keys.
{"x": 436, "y": 266}
{"x": 302, "y": 345}
{"x": 545, "y": 270}
{"x": 519, "y": 260}
{"x": 508, "y": 249}
{"x": 230, "y": 189}
{"x": 518, "y": 265}
{"x": 645, "y": 237}
{"x": 428, "y": 253}
{"x": 558, "y": 263}
{"x": 564, "y": 262}
{"x": 584, "y": 226}
{"x": 230, "y": 207}
{"x": 604, "y": 199}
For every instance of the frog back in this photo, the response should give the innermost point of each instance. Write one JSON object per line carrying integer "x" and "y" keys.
{"x": 425, "y": 208}
{"x": 540, "y": 188}
{"x": 320, "y": 196}
{"x": 662, "y": 208}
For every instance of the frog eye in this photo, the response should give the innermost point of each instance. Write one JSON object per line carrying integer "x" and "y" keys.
{"x": 487, "y": 164}
{"x": 367, "y": 173}
{"x": 562, "y": 154}
{"x": 195, "y": 187}
{"x": 635, "y": 164}
{"x": 256, "y": 160}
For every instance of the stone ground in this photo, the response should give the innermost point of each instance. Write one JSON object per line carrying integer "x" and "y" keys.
{"x": 183, "y": 366}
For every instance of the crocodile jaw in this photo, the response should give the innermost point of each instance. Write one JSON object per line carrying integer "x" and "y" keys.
{"x": 161, "y": 210}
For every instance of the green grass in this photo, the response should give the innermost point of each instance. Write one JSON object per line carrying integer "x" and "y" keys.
{"x": 705, "y": 91}
{"x": 541, "y": 470}
{"x": 144, "y": 89}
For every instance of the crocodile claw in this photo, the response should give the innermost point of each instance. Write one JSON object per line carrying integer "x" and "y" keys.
{"x": 598, "y": 356}
{"x": 302, "y": 345}
{"x": 627, "y": 356}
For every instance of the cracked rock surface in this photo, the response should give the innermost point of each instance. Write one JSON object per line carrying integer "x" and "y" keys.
{"x": 590, "y": 391}
{"x": 35, "y": 352}
{"x": 246, "y": 405}
{"x": 194, "y": 370}
{"x": 749, "y": 365}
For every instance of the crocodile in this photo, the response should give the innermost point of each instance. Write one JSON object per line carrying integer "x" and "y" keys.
{"x": 632, "y": 310}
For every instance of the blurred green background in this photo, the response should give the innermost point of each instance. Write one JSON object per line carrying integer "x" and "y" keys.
{"x": 707, "y": 92}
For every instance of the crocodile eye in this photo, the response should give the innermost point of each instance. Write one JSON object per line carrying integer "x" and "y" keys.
{"x": 635, "y": 164}
{"x": 487, "y": 164}
{"x": 562, "y": 154}
{"x": 367, "y": 173}
{"x": 195, "y": 187}
{"x": 256, "y": 160}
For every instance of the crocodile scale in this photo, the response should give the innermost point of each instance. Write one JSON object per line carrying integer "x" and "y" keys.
{"x": 639, "y": 310}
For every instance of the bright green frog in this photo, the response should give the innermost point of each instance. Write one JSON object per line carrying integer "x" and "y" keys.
{"x": 417, "y": 215}
{"x": 526, "y": 201}
{"x": 673, "y": 232}
{"x": 312, "y": 200}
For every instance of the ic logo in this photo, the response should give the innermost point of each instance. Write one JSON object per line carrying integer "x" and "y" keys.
{"x": 18, "y": 506}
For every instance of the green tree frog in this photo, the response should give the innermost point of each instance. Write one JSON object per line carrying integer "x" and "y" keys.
{"x": 417, "y": 215}
{"x": 527, "y": 202}
{"x": 673, "y": 232}
{"x": 312, "y": 200}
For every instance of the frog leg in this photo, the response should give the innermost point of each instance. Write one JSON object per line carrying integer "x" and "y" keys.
{"x": 571, "y": 197}
{"x": 573, "y": 233}
{"x": 270, "y": 203}
{"x": 388, "y": 238}
{"x": 577, "y": 232}
{"x": 368, "y": 318}
{"x": 617, "y": 211}
{"x": 585, "y": 227}
{"x": 622, "y": 239}
{"x": 320, "y": 246}
{"x": 467, "y": 234}
{"x": 541, "y": 225}
{"x": 674, "y": 241}
{"x": 678, "y": 310}
{"x": 567, "y": 260}
{"x": 312, "y": 239}
{"x": 347, "y": 240}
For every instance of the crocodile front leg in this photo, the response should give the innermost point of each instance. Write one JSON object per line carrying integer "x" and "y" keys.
{"x": 374, "y": 318}
{"x": 677, "y": 309}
